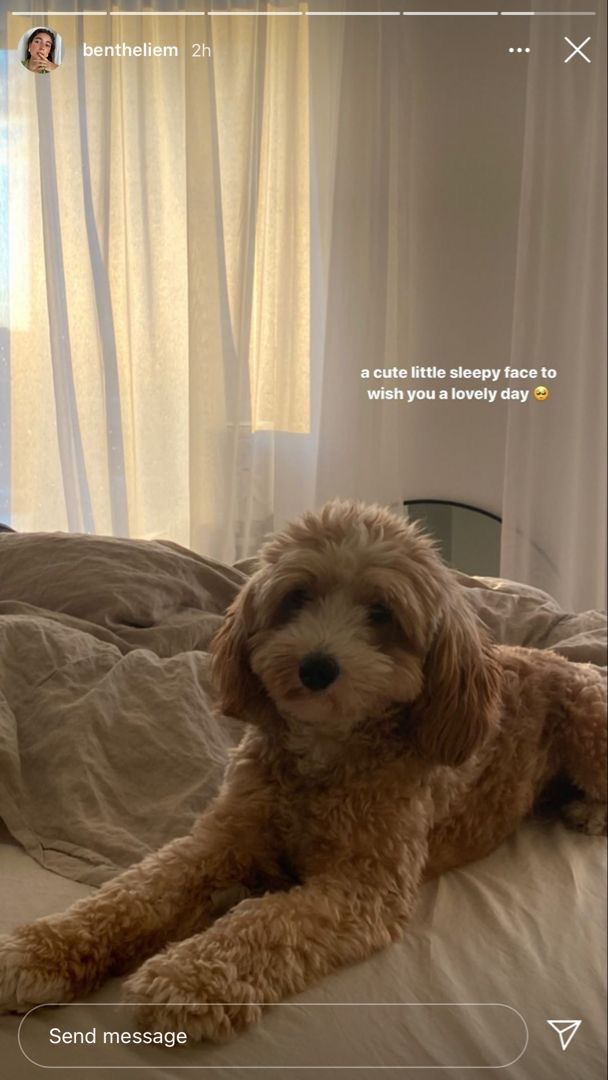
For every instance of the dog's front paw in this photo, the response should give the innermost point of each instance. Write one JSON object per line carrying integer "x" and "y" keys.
{"x": 204, "y": 999}
{"x": 28, "y": 976}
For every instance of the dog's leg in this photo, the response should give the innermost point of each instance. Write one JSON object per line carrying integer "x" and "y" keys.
{"x": 216, "y": 983}
{"x": 166, "y": 897}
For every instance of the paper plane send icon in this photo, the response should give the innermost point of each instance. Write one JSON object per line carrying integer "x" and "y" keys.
{"x": 566, "y": 1029}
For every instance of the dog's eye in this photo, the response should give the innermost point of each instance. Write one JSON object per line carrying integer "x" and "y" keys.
{"x": 379, "y": 615}
{"x": 294, "y": 601}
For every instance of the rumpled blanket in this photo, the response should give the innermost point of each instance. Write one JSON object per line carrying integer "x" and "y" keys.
{"x": 109, "y": 745}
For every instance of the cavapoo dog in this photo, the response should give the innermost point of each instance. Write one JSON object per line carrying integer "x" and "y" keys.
{"x": 388, "y": 740}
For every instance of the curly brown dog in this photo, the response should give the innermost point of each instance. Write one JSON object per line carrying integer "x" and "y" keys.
{"x": 388, "y": 741}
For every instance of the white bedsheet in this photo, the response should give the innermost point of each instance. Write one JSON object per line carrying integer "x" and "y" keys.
{"x": 524, "y": 927}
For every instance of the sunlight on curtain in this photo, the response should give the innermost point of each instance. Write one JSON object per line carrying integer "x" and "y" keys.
{"x": 154, "y": 239}
{"x": 283, "y": 239}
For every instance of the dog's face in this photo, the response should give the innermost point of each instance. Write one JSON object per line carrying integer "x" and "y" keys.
{"x": 341, "y": 622}
{"x": 339, "y": 626}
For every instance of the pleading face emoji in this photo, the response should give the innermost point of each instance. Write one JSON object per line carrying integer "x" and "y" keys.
{"x": 541, "y": 393}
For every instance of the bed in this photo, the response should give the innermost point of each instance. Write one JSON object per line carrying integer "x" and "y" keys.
{"x": 109, "y": 747}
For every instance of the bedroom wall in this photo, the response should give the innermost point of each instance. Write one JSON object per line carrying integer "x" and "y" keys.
{"x": 467, "y": 153}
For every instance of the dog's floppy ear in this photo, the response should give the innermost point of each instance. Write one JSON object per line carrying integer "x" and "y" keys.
{"x": 236, "y": 684}
{"x": 459, "y": 704}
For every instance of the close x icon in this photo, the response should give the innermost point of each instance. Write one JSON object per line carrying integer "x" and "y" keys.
{"x": 577, "y": 50}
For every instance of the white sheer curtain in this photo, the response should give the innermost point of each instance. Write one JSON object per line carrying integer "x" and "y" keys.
{"x": 526, "y": 283}
{"x": 159, "y": 224}
{"x": 213, "y": 253}
{"x": 364, "y": 252}
{"x": 554, "y": 532}
{"x": 360, "y": 107}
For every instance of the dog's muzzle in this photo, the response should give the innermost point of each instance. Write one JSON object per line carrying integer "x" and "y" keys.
{"x": 317, "y": 671}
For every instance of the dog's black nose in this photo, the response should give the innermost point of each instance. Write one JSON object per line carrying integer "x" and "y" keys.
{"x": 318, "y": 670}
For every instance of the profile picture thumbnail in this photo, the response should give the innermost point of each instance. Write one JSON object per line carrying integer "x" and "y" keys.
{"x": 40, "y": 50}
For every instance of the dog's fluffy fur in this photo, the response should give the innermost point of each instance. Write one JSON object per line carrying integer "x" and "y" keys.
{"x": 388, "y": 741}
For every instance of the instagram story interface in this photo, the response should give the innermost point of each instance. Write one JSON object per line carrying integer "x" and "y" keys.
{"x": 254, "y": 258}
